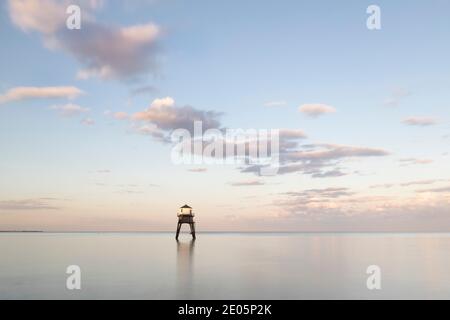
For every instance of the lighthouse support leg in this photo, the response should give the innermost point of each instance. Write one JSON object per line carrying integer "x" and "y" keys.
{"x": 192, "y": 224}
{"x": 178, "y": 230}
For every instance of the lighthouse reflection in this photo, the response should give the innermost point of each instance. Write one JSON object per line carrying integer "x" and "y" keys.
{"x": 185, "y": 266}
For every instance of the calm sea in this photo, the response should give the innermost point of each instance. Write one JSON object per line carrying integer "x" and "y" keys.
{"x": 224, "y": 266}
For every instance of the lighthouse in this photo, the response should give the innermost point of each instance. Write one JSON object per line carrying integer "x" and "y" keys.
{"x": 185, "y": 215}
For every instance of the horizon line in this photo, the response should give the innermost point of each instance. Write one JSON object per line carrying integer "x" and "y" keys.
{"x": 231, "y": 232}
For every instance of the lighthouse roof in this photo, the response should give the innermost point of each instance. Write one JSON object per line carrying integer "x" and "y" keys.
{"x": 185, "y": 207}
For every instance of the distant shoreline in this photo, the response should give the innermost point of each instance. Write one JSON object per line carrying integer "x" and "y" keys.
{"x": 18, "y": 231}
{"x": 228, "y": 232}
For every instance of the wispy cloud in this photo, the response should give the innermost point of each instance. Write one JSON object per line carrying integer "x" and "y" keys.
{"x": 328, "y": 193}
{"x": 436, "y": 190}
{"x": 406, "y": 184}
{"x": 103, "y": 171}
{"x": 412, "y": 161}
{"x": 120, "y": 115}
{"x": 144, "y": 90}
{"x": 341, "y": 208}
{"x": 24, "y": 93}
{"x": 271, "y": 104}
{"x": 69, "y": 110}
{"x": 315, "y": 110}
{"x": 88, "y": 122}
{"x": 382, "y": 186}
{"x": 27, "y": 205}
{"x": 329, "y": 174}
{"x": 247, "y": 183}
{"x": 420, "y": 182}
{"x": 333, "y": 151}
{"x": 363, "y": 213}
{"x": 314, "y": 159}
{"x": 420, "y": 121}
{"x": 397, "y": 95}
{"x": 198, "y": 170}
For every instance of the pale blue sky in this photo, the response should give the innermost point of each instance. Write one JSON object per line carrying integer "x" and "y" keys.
{"x": 233, "y": 57}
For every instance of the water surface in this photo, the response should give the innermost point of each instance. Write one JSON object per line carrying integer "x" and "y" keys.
{"x": 224, "y": 266}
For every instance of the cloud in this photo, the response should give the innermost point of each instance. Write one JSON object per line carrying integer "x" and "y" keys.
{"x": 271, "y": 104}
{"x": 94, "y": 4}
{"x": 290, "y": 139}
{"x": 24, "y": 93}
{"x": 48, "y": 17}
{"x": 329, "y": 174}
{"x": 103, "y": 171}
{"x": 284, "y": 169}
{"x": 412, "y": 161}
{"x": 420, "y": 121}
{"x": 163, "y": 102}
{"x": 363, "y": 213}
{"x": 166, "y": 116}
{"x": 436, "y": 190}
{"x": 334, "y": 206}
{"x": 323, "y": 152}
{"x": 198, "y": 170}
{"x": 314, "y": 159}
{"x": 406, "y": 184}
{"x": 105, "y": 51}
{"x": 317, "y": 160}
{"x": 120, "y": 115}
{"x": 153, "y": 131}
{"x": 129, "y": 191}
{"x": 420, "y": 182}
{"x": 247, "y": 183}
{"x": 328, "y": 193}
{"x": 292, "y": 134}
{"x": 45, "y": 16}
{"x": 397, "y": 95}
{"x": 88, "y": 122}
{"x": 144, "y": 90}
{"x": 69, "y": 110}
{"x": 111, "y": 53}
{"x": 27, "y": 205}
{"x": 383, "y": 186}
{"x": 316, "y": 110}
